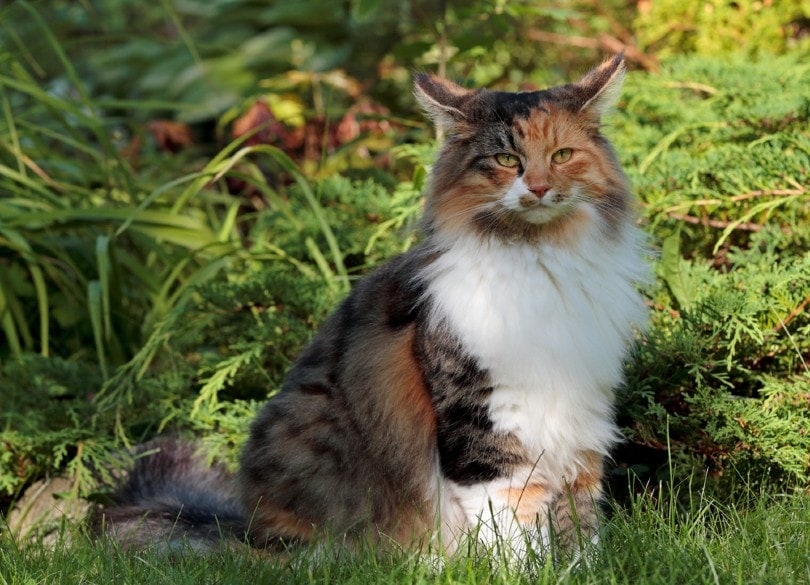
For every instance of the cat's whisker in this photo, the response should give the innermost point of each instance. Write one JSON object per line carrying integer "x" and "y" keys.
{"x": 472, "y": 210}
{"x": 609, "y": 207}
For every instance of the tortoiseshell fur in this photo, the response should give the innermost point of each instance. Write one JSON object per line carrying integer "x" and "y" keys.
{"x": 464, "y": 389}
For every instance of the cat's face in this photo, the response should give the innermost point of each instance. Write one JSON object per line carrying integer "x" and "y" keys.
{"x": 525, "y": 166}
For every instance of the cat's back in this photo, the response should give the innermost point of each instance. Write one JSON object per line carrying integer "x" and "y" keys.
{"x": 349, "y": 438}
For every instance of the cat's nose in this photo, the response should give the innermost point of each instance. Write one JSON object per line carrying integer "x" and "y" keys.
{"x": 538, "y": 190}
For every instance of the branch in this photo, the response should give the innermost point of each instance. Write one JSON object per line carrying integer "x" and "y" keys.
{"x": 715, "y": 223}
{"x": 793, "y": 314}
{"x": 603, "y": 42}
{"x": 742, "y": 197}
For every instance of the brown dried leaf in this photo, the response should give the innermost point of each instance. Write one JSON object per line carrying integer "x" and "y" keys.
{"x": 259, "y": 118}
{"x": 170, "y": 136}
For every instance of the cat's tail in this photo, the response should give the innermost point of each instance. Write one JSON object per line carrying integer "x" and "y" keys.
{"x": 171, "y": 499}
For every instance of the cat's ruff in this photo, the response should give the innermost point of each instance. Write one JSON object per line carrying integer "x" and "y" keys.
{"x": 551, "y": 325}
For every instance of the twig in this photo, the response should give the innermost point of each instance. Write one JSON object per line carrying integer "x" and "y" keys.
{"x": 793, "y": 314}
{"x": 768, "y": 193}
{"x": 443, "y": 56}
{"x": 443, "y": 38}
{"x": 701, "y": 87}
{"x": 741, "y": 197}
{"x": 715, "y": 223}
{"x": 604, "y": 42}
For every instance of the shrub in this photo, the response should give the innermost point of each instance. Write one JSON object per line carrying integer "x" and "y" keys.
{"x": 722, "y": 166}
{"x": 673, "y": 27}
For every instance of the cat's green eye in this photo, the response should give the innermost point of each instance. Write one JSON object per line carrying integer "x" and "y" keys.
{"x": 507, "y": 160}
{"x": 562, "y": 155}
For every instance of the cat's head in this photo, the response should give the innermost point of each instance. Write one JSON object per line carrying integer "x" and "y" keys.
{"x": 525, "y": 166}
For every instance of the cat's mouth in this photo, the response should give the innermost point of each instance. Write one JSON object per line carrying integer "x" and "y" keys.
{"x": 508, "y": 219}
{"x": 539, "y": 210}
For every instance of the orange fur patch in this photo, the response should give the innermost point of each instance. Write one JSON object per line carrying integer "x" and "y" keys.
{"x": 404, "y": 408}
{"x": 545, "y": 133}
{"x": 269, "y": 522}
{"x": 455, "y": 208}
{"x": 413, "y": 527}
{"x": 528, "y": 502}
{"x": 404, "y": 386}
{"x": 411, "y": 409}
{"x": 589, "y": 476}
{"x": 590, "y": 167}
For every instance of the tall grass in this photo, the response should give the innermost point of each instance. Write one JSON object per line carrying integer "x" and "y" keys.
{"x": 651, "y": 542}
{"x": 96, "y": 243}
{"x": 101, "y": 241}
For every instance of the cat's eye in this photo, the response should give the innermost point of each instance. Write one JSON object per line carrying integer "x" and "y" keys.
{"x": 507, "y": 160}
{"x": 562, "y": 155}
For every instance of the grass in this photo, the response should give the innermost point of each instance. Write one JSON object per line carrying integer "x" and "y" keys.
{"x": 651, "y": 541}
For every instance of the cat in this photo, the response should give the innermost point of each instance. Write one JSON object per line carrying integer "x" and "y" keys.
{"x": 464, "y": 390}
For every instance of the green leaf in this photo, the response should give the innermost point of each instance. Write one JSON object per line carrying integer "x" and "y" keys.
{"x": 94, "y": 305}
{"x": 104, "y": 270}
{"x": 9, "y": 329}
{"x": 363, "y": 10}
{"x": 675, "y": 271}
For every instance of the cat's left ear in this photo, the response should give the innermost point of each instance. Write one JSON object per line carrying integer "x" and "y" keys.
{"x": 601, "y": 87}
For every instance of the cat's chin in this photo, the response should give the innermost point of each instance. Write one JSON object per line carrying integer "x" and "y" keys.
{"x": 544, "y": 214}
{"x": 535, "y": 225}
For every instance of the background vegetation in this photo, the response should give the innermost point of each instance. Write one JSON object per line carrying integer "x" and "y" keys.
{"x": 187, "y": 188}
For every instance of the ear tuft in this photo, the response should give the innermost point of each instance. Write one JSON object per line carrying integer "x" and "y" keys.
{"x": 602, "y": 86}
{"x": 441, "y": 99}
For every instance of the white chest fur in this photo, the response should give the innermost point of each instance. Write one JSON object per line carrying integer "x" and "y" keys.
{"x": 552, "y": 326}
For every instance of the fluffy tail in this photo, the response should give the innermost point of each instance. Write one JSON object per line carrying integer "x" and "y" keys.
{"x": 172, "y": 499}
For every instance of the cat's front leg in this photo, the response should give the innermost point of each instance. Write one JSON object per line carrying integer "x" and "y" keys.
{"x": 508, "y": 517}
{"x": 575, "y": 512}
{"x": 511, "y": 516}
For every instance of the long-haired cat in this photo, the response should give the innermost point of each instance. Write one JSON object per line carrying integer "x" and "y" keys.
{"x": 465, "y": 388}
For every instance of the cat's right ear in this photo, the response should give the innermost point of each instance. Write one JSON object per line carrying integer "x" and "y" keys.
{"x": 600, "y": 88}
{"x": 442, "y": 100}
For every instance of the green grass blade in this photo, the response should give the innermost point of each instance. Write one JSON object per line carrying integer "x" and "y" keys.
{"x": 280, "y": 157}
{"x": 15, "y": 306}
{"x": 12, "y": 131}
{"x": 16, "y": 241}
{"x": 60, "y": 53}
{"x": 26, "y": 185}
{"x": 203, "y": 274}
{"x": 156, "y": 193}
{"x": 224, "y": 166}
{"x": 42, "y": 97}
{"x": 213, "y": 169}
{"x": 179, "y": 229}
{"x": 104, "y": 267}
{"x": 41, "y": 289}
{"x": 9, "y": 329}
{"x": 229, "y": 223}
{"x": 32, "y": 129}
{"x": 94, "y": 306}
{"x": 252, "y": 175}
{"x": 320, "y": 261}
{"x": 670, "y": 139}
{"x": 765, "y": 208}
